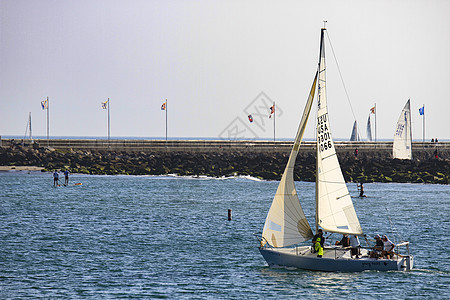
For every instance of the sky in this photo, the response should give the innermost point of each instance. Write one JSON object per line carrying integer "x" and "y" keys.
{"x": 216, "y": 62}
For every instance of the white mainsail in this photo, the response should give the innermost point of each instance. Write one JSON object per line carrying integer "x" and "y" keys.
{"x": 286, "y": 223}
{"x": 334, "y": 206}
{"x": 402, "y": 139}
{"x": 369, "y": 130}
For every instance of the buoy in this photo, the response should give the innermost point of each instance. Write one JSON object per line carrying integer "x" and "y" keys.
{"x": 229, "y": 214}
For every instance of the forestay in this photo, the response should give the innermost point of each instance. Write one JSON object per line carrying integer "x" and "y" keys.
{"x": 334, "y": 211}
{"x": 402, "y": 138}
{"x": 286, "y": 223}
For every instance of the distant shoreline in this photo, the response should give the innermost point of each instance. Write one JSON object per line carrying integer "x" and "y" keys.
{"x": 21, "y": 168}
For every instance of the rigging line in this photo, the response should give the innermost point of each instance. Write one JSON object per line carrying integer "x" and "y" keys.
{"x": 342, "y": 79}
{"x": 393, "y": 229}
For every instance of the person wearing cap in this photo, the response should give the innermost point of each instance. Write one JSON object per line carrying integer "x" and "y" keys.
{"x": 344, "y": 242}
{"x": 318, "y": 241}
{"x": 378, "y": 248}
{"x": 388, "y": 247}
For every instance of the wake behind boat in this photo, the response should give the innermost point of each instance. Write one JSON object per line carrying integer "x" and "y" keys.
{"x": 286, "y": 225}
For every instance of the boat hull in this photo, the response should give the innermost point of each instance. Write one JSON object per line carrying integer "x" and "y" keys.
{"x": 332, "y": 261}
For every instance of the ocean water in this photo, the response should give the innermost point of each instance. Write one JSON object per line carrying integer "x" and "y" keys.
{"x": 169, "y": 237}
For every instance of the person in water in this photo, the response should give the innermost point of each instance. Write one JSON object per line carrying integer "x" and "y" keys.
{"x": 318, "y": 241}
{"x": 55, "y": 178}
{"x": 66, "y": 177}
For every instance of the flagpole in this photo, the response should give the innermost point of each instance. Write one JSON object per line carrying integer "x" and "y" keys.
{"x": 274, "y": 114}
{"x": 48, "y": 121}
{"x": 423, "y": 125}
{"x": 109, "y": 128}
{"x": 166, "y": 121}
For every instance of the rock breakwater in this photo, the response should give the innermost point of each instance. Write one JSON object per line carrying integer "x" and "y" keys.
{"x": 370, "y": 166}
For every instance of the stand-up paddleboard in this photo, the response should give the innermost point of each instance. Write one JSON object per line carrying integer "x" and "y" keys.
{"x": 73, "y": 184}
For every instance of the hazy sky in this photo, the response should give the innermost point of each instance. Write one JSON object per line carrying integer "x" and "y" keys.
{"x": 218, "y": 61}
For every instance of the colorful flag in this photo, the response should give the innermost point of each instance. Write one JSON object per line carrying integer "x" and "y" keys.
{"x": 105, "y": 104}
{"x": 163, "y": 106}
{"x": 44, "y": 104}
{"x": 422, "y": 110}
{"x": 372, "y": 110}
{"x": 272, "y": 111}
{"x": 250, "y": 118}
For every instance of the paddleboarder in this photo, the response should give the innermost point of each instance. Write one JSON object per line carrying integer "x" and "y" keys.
{"x": 66, "y": 177}
{"x": 361, "y": 190}
{"x": 55, "y": 178}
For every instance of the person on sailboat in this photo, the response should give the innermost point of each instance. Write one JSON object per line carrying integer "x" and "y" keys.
{"x": 354, "y": 243}
{"x": 318, "y": 241}
{"x": 378, "y": 248}
{"x": 388, "y": 247}
{"x": 344, "y": 242}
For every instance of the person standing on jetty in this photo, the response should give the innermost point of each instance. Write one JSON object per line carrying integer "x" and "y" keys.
{"x": 55, "y": 178}
{"x": 66, "y": 177}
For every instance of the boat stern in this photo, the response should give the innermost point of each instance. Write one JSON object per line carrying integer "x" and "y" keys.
{"x": 406, "y": 263}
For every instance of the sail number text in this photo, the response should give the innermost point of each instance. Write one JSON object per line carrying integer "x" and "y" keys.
{"x": 323, "y": 133}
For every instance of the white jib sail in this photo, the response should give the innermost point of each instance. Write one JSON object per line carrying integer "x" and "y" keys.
{"x": 334, "y": 211}
{"x": 286, "y": 223}
{"x": 402, "y": 139}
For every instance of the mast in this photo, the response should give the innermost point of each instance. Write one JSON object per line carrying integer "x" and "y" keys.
{"x": 410, "y": 130}
{"x": 29, "y": 121}
{"x": 321, "y": 80}
{"x": 48, "y": 121}
{"x": 375, "y": 113}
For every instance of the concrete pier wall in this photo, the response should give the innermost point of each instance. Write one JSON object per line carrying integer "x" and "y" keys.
{"x": 218, "y": 145}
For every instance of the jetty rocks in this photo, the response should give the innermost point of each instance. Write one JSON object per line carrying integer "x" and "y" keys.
{"x": 367, "y": 166}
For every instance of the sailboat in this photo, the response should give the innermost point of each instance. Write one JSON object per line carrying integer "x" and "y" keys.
{"x": 402, "y": 148}
{"x": 355, "y": 136}
{"x": 286, "y": 225}
{"x": 369, "y": 129}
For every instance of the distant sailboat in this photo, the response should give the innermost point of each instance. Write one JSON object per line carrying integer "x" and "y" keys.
{"x": 402, "y": 146}
{"x": 355, "y": 136}
{"x": 286, "y": 225}
{"x": 369, "y": 130}
{"x": 28, "y": 129}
